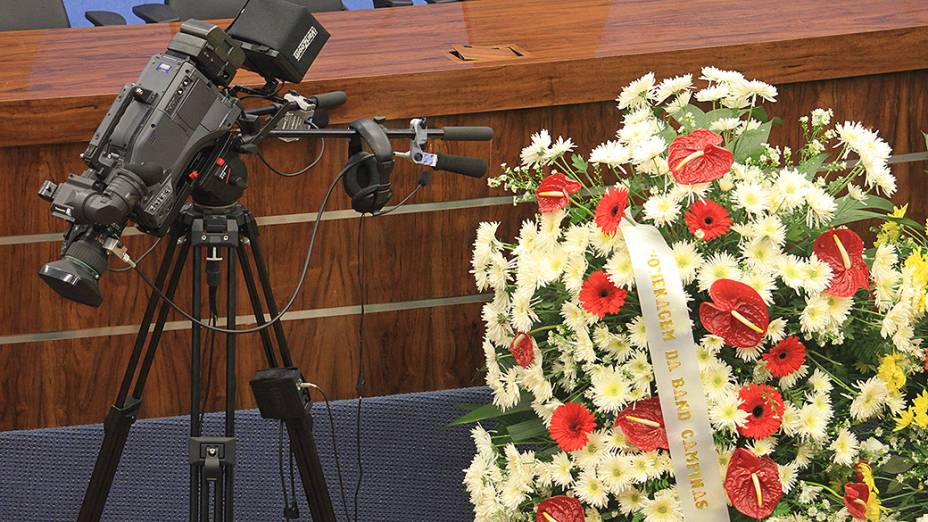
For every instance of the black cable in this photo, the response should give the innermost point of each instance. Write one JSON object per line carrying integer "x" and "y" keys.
{"x": 338, "y": 467}
{"x": 280, "y": 465}
{"x": 141, "y": 257}
{"x": 300, "y": 172}
{"x": 359, "y": 385}
{"x": 290, "y": 301}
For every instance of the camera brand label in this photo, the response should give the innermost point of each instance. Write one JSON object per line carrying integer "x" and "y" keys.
{"x": 304, "y": 45}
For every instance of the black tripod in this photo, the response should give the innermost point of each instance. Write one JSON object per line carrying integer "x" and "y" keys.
{"x": 226, "y": 230}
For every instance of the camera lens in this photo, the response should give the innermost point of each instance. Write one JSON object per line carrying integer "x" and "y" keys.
{"x": 75, "y": 276}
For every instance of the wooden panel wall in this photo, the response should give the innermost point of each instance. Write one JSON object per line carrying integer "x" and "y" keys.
{"x": 408, "y": 257}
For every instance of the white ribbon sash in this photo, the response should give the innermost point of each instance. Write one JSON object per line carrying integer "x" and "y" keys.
{"x": 676, "y": 371}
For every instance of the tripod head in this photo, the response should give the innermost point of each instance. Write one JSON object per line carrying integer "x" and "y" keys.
{"x": 180, "y": 129}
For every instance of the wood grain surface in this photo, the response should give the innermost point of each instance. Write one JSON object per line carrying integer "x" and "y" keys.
{"x": 867, "y": 61}
{"x": 55, "y": 85}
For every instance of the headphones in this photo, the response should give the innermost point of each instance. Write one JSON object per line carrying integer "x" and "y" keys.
{"x": 367, "y": 174}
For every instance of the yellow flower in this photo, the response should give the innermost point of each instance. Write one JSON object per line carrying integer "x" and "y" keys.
{"x": 891, "y": 373}
{"x": 890, "y": 231}
{"x": 873, "y": 503}
{"x": 904, "y": 420}
{"x": 920, "y": 407}
{"x": 918, "y": 261}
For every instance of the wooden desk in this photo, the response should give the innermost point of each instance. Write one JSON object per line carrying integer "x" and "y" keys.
{"x": 60, "y": 363}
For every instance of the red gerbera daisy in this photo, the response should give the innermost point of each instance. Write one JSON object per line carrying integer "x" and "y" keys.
{"x": 698, "y": 158}
{"x": 707, "y": 219}
{"x": 843, "y": 250}
{"x": 786, "y": 357}
{"x": 737, "y": 313}
{"x": 560, "y": 509}
{"x": 610, "y": 210}
{"x": 753, "y": 484}
{"x": 643, "y": 425}
{"x": 599, "y": 296}
{"x": 571, "y": 426}
{"x": 764, "y": 406}
{"x": 522, "y": 349}
{"x": 856, "y": 495}
{"x": 554, "y": 192}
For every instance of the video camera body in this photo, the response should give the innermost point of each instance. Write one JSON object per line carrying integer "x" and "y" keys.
{"x": 169, "y": 129}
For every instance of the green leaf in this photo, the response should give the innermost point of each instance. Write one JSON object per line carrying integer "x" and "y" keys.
{"x": 490, "y": 411}
{"x": 713, "y": 116}
{"x": 897, "y": 464}
{"x": 750, "y": 141}
{"x": 579, "y": 162}
{"x": 528, "y": 430}
{"x": 893, "y": 487}
{"x": 812, "y": 165}
{"x": 697, "y": 114}
{"x": 759, "y": 113}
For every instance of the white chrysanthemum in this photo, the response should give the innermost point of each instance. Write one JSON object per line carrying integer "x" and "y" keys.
{"x": 753, "y": 89}
{"x": 713, "y": 343}
{"x": 523, "y": 315}
{"x": 763, "y": 283}
{"x": 575, "y": 317}
{"x": 638, "y": 334}
{"x": 871, "y": 399}
{"x": 815, "y": 317}
{"x": 574, "y": 274}
{"x": 678, "y": 103}
{"x": 822, "y": 207}
{"x": 661, "y": 209}
{"x": 727, "y": 415}
{"x": 664, "y": 507}
{"x": 752, "y": 197}
{"x": 633, "y": 133}
{"x": 816, "y": 275}
{"x": 776, "y": 330}
{"x": 611, "y": 153}
{"x": 640, "y": 369}
{"x": 648, "y": 149}
{"x": 610, "y": 388}
{"x": 635, "y": 94}
{"x": 615, "y": 472}
{"x": 716, "y": 75}
{"x": 791, "y": 270}
{"x": 717, "y": 381}
{"x": 761, "y": 447}
{"x": 821, "y": 117}
{"x": 789, "y": 423}
{"x": 720, "y": 265}
{"x": 561, "y": 467}
{"x": 688, "y": 260}
{"x": 505, "y": 389}
{"x": 724, "y": 124}
{"x": 630, "y": 500}
{"x": 845, "y": 447}
{"x": 788, "y": 475}
{"x": 812, "y": 423}
{"x": 619, "y": 269}
{"x": 819, "y": 382}
{"x": 670, "y": 87}
{"x": 535, "y": 153}
{"x": 495, "y": 316}
{"x": 591, "y": 490}
{"x": 558, "y": 149}
{"x": 713, "y": 93}
{"x": 791, "y": 187}
{"x": 839, "y": 308}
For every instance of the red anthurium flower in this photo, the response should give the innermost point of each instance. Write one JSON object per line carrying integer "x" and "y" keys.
{"x": 786, "y": 357}
{"x": 522, "y": 349}
{"x": 737, "y": 313}
{"x": 698, "y": 158}
{"x": 610, "y": 210}
{"x": 554, "y": 192}
{"x": 643, "y": 425}
{"x": 753, "y": 484}
{"x": 560, "y": 509}
{"x": 856, "y": 495}
{"x": 764, "y": 406}
{"x": 843, "y": 250}
{"x": 707, "y": 219}
{"x": 600, "y": 296}
{"x": 571, "y": 426}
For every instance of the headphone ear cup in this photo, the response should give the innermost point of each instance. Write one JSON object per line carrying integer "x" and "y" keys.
{"x": 362, "y": 183}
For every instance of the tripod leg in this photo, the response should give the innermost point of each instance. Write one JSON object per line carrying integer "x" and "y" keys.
{"x": 196, "y": 478}
{"x": 251, "y": 229}
{"x": 226, "y": 483}
{"x": 311, "y": 475}
{"x": 256, "y": 307}
{"x": 123, "y": 413}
